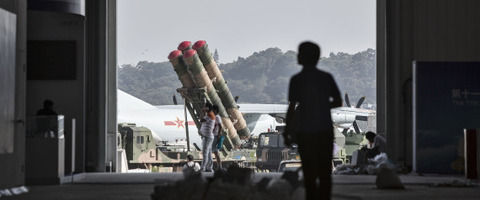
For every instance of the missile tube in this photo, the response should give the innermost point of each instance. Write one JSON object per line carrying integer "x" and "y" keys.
{"x": 184, "y": 46}
{"x": 223, "y": 91}
{"x": 180, "y": 68}
{"x": 201, "y": 79}
{"x": 176, "y": 58}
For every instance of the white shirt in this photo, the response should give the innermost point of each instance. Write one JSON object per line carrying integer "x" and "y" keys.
{"x": 218, "y": 124}
{"x": 192, "y": 164}
{"x": 207, "y": 127}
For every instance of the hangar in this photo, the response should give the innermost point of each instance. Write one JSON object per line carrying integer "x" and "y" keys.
{"x": 83, "y": 34}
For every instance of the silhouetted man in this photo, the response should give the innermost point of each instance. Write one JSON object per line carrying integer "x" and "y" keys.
{"x": 312, "y": 93}
{"x": 47, "y": 108}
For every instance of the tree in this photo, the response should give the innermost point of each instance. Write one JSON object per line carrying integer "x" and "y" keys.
{"x": 262, "y": 77}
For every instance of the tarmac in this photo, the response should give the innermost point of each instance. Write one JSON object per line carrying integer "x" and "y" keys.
{"x": 121, "y": 186}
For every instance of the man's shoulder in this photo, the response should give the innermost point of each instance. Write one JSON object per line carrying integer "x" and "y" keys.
{"x": 296, "y": 76}
{"x": 326, "y": 76}
{"x": 324, "y": 73}
{"x": 315, "y": 71}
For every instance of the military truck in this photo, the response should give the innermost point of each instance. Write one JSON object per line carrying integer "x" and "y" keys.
{"x": 144, "y": 152}
{"x": 271, "y": 151}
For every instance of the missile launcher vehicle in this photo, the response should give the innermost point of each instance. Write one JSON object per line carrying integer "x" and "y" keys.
{"x": 145, "y": 152}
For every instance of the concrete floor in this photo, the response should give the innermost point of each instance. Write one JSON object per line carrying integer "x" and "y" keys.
{"x": 152, "y": 178}
{"x": 117, "y": 186}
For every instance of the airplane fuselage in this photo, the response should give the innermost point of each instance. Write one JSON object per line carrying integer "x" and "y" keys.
{"x": 167, "y": 122}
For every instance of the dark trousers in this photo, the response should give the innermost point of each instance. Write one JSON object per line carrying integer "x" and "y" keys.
{"x": 316, "y": 152}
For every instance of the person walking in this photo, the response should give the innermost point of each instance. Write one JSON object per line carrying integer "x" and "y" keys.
{"x": 311, "y": 95}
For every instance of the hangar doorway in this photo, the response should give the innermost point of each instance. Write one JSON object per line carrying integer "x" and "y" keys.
{"x": 254, "y": 45}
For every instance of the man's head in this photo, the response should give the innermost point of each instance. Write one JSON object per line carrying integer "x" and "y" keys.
{"x": 189, "y": 157}
{"x": 308, "y": 54}
{"x": 215, "y": 109}
{"x": 370, "y": 136}
{"x": 208, "y": 107}
{"x": 48, "y": 104}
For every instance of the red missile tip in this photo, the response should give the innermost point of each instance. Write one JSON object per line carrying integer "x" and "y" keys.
{"x": 199, "y": 44}
{"x": 174, "y": 54}
{"x": 189, "y": 53}
{"x": 184, "y": 45}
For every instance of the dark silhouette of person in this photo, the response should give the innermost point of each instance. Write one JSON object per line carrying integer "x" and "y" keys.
{"x": 312, "y": 93}
{"x": 46, "y": 122}
{"x": 47, "y": 108}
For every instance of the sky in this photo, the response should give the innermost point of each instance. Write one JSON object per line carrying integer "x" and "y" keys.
{"x": 148, "y": 30}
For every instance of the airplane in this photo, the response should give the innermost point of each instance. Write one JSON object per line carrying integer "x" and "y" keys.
{"x": 345, "y": 118}
{"x": 167, "y": 122}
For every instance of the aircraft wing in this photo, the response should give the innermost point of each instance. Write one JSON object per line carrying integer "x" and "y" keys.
{"x": 263, "y": 108}
{"x": 246, "y": 108}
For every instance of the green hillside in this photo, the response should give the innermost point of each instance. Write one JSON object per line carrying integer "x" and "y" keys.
{"x": 260, "y": 78}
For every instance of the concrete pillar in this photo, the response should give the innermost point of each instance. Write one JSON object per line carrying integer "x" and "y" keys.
{"x": 13, "y": 173}
{"x": 101, "y": 81}
{"x": 111, "y": 100}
